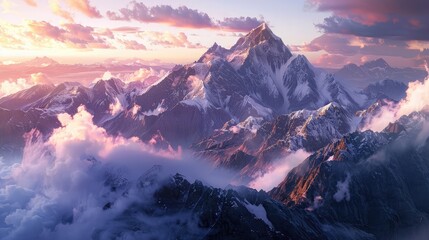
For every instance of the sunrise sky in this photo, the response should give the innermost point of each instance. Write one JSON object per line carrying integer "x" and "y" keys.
{"x": 330, "y": 33}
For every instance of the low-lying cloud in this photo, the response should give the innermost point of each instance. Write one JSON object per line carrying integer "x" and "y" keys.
{"x": 343, "y": 191}
{"x": 278, "y": 171}
{"x": 63, "y": 185}
{"x": 41, "y": 34}
{"x": 140, "y": 79}
{"x": 10, "y": 86}
{"x": 417, "y": 99}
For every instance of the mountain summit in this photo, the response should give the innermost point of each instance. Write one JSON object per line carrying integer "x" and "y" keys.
{"x": 258, "y": 77}
{"x": 256, "y": 36}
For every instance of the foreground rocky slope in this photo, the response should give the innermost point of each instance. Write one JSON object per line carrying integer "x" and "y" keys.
{"x": 253, "y": 145}
{"x": 187, "y": 210}
{"x": 376, "y": 182}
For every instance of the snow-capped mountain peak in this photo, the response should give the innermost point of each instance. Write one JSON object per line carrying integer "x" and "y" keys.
{"x": 214, "y": 52}
{"x": 256, "y": 36}
{"x": 257, "y": 78}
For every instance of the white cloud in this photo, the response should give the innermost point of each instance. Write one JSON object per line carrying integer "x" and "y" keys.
{"x": 417, "y": 99}
{"x": 106, "y": 76}
{"x": 343, "y": 191}
{"x": 9, "y": 87}
{"x": 116, "y": 108}
{"x": 59, "y": 188}
{"x": 155, "y": 112}
{"x": 278, "y": 171}
{"x": 140, "y": 75}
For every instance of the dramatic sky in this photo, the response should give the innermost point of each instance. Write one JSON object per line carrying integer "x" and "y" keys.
{"x": 330, "y": 32}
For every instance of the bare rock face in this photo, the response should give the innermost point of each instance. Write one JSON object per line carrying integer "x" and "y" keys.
{"x": 250, "y": 149}
{"x": 185, "y": 210}
{"x": 374, "y": 181}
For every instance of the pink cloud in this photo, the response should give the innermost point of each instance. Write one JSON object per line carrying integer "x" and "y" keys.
{"x": 126, "y": 29}
{"x": 12, "y": 86}
{"x": 10, "y": 39}
{"x": 46, "y": 29}
{"x": 79, "y": 33}
{"x": 369, "y": 12}
{"x": 9, "y": 87}
{"x": 180, "y": 17}
{"x": 331, "y": 60}
{"x": 354, "y": 45}
{"x": 71, "y": 34}
{"x": 132, "y": 44}
{"x": 108, "y": 33}
{"x": 85, "y": 7}
{"x": 32, "y": 3}
{"x": 59, "y": 11}
{"x": 387, "y": 19}
{"x": 167, "y": 39}
{"x": 417, "y": 99}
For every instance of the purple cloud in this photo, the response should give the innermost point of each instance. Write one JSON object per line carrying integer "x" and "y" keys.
{"x": 389, "y": 19}
{"x": 240, "y": 23}
{"x": 353, "y": 45}
{"x": 181, "y": 17}
{"x": 400, "y": 29}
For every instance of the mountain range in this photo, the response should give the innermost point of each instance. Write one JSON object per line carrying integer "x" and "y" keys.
{"x": 358, "y": 76}
{"x": 245, "y": 109}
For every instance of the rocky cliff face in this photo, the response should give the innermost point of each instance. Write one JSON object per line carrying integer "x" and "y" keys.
{"x": 187, "y": 210}
{"x": 376, "y": 182}
{"x": 252, "y": 146}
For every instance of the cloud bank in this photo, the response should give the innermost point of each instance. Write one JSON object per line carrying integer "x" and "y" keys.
{"x": 42, "y": 34}
{"x": 77, "y": 183}
{"x": 417, "y": 99}
{"x": 10, "y": 86}
{"x": 278, "y": 171}
{"x": 396, "y": 19}
{"x": 397, "y": 29}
